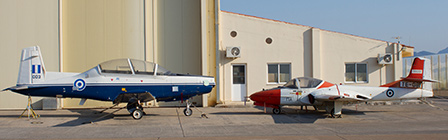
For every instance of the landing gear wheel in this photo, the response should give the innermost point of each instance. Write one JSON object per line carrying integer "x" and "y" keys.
{"x": 188, "y": 112}
{"x": 137, "y": 114}
{"x": 334, "y": 115}
{"x": 276, "y": 110}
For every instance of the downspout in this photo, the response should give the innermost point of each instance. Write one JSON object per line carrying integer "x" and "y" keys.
{"x": 217, "y": 51}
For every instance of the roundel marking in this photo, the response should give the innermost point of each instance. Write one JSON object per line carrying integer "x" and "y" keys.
{"x": 390, "y": 93}
{"x": 206, "y": 83}
{"x": 79, "y": 85}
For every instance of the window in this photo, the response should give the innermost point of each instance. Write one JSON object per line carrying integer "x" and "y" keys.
{"x": 233, "y": 34}
{"x": 356, "y": 72}
{"x": 116, "y": 66}
{"x": 239, "y": 74}
{"x": 124, "y": 66}
{"x": 279, "y": 73}
{"x": 268, "y": 40}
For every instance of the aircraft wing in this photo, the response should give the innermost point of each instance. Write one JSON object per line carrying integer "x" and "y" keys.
{"x": 348, "y": 96}
{"x": 143, "y": 96}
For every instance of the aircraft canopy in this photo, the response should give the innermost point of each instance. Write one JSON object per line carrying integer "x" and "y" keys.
{"x": 132, "y": 66}
{"x": 305, "y": 82}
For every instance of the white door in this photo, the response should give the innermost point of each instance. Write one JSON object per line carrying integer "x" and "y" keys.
{"x": 238, "y": 82}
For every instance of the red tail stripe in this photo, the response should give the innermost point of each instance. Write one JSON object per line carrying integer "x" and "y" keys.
{"x": 416, "y": 69}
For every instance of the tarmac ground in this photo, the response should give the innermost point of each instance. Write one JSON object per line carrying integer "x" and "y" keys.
{"x": 363, "y": 121}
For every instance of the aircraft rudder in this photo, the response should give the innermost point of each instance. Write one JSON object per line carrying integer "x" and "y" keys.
{"x": 420, "y": 69}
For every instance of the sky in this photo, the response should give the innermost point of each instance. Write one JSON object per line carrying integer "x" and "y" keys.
{"x": 420, "y": 23}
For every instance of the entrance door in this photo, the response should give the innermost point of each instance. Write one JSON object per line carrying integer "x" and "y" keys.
{"x": 238, "y": 82}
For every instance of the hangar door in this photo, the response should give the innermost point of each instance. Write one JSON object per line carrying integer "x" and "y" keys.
{"x": 238, "y": 82}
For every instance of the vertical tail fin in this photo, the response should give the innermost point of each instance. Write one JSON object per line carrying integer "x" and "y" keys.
{"x": 32, "y": 68}
{"x": 420, "y": 70}
{"x": 420, "y": 73}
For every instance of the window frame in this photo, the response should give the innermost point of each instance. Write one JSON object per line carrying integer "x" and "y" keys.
{"x": 356, "y": 72}
{"x": 278, "y": 73}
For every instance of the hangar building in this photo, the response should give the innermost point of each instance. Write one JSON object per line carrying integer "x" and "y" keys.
{"x": 184, "y": 36}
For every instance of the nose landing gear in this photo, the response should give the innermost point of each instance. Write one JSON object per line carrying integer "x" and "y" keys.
{"x": 187, "y": 110}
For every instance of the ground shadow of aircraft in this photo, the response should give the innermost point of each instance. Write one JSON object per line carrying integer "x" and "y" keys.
{"x": 85, "y": 116}
{"x": 294, "y": 115}
{"x": 90, "y": 116}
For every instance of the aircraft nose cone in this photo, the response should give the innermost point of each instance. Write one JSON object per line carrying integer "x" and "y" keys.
{"x": 267, "y": 96}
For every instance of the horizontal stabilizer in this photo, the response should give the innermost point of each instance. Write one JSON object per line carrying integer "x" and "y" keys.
{"x": 418, "y": 80}
{"x": 15, "y": 88}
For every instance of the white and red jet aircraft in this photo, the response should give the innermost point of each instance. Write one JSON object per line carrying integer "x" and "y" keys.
{"x": 304, "y": 91}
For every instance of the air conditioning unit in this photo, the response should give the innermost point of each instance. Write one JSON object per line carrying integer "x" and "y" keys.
{"x": 386, "y": 58}
{"x": 233, "y": 52}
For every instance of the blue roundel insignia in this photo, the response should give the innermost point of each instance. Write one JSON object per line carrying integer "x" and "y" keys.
{"x": 390, "y": 93}
{"x": 79, "y": 85}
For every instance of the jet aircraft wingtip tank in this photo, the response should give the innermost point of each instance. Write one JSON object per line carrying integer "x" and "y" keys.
{"x": 121, "y": 80}
{"x": 306, "y": 91}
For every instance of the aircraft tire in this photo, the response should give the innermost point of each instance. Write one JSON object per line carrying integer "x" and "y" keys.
{"x": 276, "y": 110}
{"x": 137, "y": 114}
{"x": 334, "y": 115}
{"x": 188, "y": 112}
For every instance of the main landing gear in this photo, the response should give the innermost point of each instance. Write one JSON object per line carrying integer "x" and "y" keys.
{"x": 334, "y": 108}
{"x": 277, "y": 110}
{"x": 135, "y": 108}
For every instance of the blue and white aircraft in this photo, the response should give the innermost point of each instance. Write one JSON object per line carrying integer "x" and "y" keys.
{"x": 120, "y": 81}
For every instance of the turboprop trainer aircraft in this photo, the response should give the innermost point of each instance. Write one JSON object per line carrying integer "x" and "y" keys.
{"x": 304, "y": 91}
{"x": 122, "y": 80}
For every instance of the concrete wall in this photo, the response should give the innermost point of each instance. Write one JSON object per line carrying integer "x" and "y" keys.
{"x": 312, "y": 52}
{"x": 338, "y": 49}
{"x": 23, "y": 24}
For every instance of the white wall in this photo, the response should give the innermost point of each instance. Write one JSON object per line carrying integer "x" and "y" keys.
{"x": 287, "y": 47}
{"x": 338, "y": 49}
{"x": 312, "y": 52}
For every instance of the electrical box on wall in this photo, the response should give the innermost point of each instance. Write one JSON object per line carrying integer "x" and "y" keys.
{"x": 233, "y": 52}
{"x": 386, "y": 58}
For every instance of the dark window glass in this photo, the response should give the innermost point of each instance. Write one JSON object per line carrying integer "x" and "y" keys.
{"x": 239, "y": 75}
